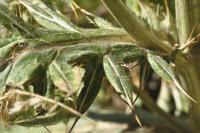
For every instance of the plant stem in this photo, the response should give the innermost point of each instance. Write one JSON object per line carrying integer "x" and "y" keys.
{"x": 187, "y": 17}
{"x": 135, "y": 27}
{"x": 183, "y": 19}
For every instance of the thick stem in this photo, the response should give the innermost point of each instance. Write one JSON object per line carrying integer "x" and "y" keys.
{"x": 135, "y": 27}
{"x": 183, "y": 20}
{"x": 187, "y": 16}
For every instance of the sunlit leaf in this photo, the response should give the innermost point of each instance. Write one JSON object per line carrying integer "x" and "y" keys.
{"x": 100, "y": 22}
{"x": 6, "y": 41}
{"x": 49, "y": 18}
{"x": 9, "y": 45}
{"x": 119, "y": 79}
{"x": 24, "y": 69}
{"x": 58, "y": 36}
{"x": 163, "y": 69}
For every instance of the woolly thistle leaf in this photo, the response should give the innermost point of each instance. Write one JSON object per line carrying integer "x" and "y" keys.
{"x": 9, "y": 46}
{"x": 49, "y": 18}
{"x": 163, "y": 69}
{"x": 119, "y": 79}
{"x": 25, "y": 67}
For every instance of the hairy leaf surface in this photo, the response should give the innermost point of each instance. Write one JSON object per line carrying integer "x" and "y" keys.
{"x": 24, "y": 69}
{"x": 163, "y": 69}
{"x": 119, "y": 79}
{"x": 49, "y": 19}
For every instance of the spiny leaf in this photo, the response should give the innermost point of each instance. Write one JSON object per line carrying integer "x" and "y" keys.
{"x": 100, "y": 22}
{"x": 96, "y": 20}
{"x": 9, "y": 45}
{"x": 150, "y": 14}
{"x": 24, "y": 68}
{"x": 58, "y": 36}
{"x": 6, "y": 41}
{"x": 163, "y": 69}
{"x": 119, "y": 79}
{"x": 49, "y": 18}
{"x": 127, "y": 54}
{"x": 104, "y": 24}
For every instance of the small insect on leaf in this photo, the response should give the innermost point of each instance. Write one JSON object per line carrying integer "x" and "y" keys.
{"x": 120, "y": 80}
{"x": 164, "y": 70}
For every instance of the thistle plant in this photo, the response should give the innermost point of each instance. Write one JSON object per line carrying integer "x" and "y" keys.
{"x": 45, "y": 53}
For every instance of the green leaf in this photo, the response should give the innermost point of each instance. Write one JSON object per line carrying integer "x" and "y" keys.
{"x": 150, "y": 14}
{"x": 6, "y": 41}
{"x": 163, "y": 69}
{"x": 49, "y": 18}
{"x": 53, "y": 36}
{"x": 104, "y": 24}
{"x": 119, "y": 79}
{"x": 26, "y": 66}
{"x": 127, "y": 54}
{"x": 100, "y": 22}
{"x": 63, "y": 76}
{"x": 9, "y": 45}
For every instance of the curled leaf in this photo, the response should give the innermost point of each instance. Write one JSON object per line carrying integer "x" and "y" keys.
{"x": 92, "y": 83}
